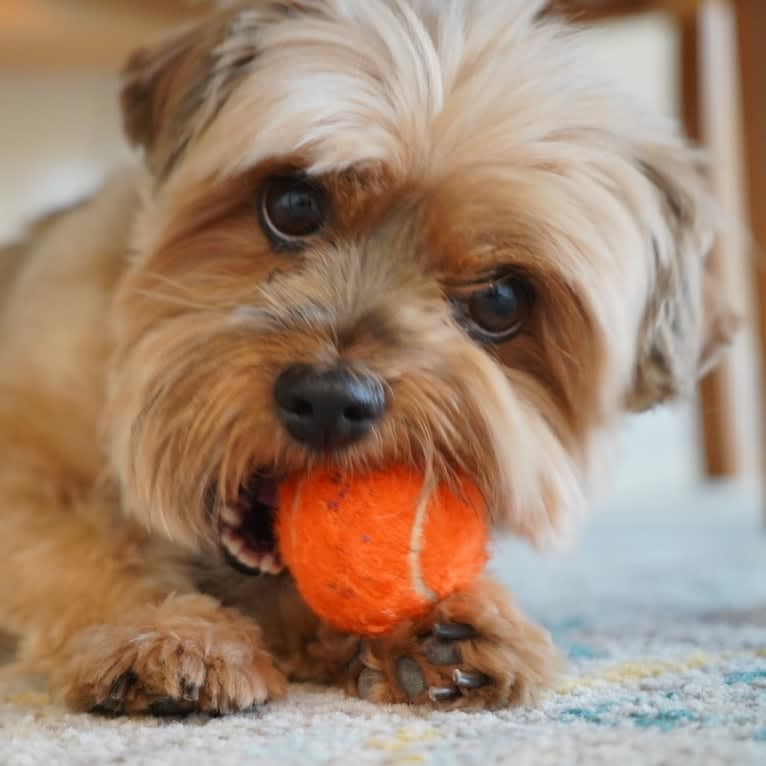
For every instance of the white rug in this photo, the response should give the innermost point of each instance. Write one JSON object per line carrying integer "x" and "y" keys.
{"x": 662, "y": 611}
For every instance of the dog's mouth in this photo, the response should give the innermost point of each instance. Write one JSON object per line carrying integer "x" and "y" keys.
{"x": 246, "y": 527}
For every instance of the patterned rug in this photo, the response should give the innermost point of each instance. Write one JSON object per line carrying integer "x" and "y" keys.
{"x": 661, "y": 612}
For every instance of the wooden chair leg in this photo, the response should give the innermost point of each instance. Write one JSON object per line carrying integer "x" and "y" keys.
{"x": 701, "y": 49}
{"x": 751, "y": 35}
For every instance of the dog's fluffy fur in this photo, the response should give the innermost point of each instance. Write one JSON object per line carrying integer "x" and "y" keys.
{"x": 142, "y": 331}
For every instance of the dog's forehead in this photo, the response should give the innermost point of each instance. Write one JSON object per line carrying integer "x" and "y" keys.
{"x": 396, "y": 82}
{"x": 479, "y": 102}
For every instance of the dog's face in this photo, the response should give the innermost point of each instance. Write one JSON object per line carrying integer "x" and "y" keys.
{"x": 394, "y": 231}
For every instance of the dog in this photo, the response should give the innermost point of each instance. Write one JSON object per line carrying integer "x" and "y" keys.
{"x": 396, "y": 231}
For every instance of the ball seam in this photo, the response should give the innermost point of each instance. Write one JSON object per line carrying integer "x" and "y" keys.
{"x": 416, "y": 545}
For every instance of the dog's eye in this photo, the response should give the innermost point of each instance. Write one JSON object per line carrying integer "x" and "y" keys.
{"x": 292, "y": 208}
{"x": 497, "y": 311}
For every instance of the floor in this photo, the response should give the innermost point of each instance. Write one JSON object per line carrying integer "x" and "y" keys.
{"x": 661, "y": 610}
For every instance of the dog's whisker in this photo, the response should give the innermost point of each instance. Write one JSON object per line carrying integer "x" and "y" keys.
{"x": 178, "y": 300}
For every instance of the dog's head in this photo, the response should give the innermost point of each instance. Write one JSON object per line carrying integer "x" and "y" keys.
{"x": 395, "y": 231}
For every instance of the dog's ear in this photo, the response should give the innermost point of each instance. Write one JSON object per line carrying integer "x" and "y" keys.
{"x": 171, "y": 90}
{"x": 688, "y": 319}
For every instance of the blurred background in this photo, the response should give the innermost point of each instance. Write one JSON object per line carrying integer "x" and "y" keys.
{"x": 60, "y": 134}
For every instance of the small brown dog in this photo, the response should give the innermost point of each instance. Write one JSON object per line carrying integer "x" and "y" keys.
{"x": 366, "y": 232}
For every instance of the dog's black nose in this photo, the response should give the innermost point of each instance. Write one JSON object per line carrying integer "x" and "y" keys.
{"x": 328, "y": 409}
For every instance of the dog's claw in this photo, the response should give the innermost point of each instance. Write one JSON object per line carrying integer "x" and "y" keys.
{"x": 107, "y": 708}
{"x": 110, "y": 706}
{"x": 356, "y": 665}
{"x": 454, "y": 631}
{"x": 465, "y": 680}
{"x": 169, "y": 706}
{"x": 115, "y": 702}
{"x": 121, "y": 685}
{"x": 443, "y": 694}
{"x": 443, "y": 653}
{"x": 410, "y": 677}
{"x": 190, "y": 692}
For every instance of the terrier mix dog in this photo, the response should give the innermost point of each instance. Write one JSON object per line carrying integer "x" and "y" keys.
{"x": 365, "y": 232}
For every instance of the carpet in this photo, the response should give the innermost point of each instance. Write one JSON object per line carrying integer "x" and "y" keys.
{"x": 661, "y": 610}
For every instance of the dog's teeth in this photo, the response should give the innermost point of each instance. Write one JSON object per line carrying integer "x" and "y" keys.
{"x": 265, "y": 562}
{"x": 250, "y": 558}
{"x": 231, "y": 516}
{"x": 271, "y": 564}
{"x": 233, "y": 542}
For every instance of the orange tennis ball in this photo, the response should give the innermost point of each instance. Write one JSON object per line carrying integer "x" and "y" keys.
{"x": 361, "y": 555}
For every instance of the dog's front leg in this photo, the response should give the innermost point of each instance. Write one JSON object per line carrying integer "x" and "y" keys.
{"x": 181, "y": 654}
{"x": 113, "y": 622}
{"x": 473, "y": 650}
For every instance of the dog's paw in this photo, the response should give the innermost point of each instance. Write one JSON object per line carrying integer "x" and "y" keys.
{"x": 474, "y": 650}
{"x": 169, "y": 664}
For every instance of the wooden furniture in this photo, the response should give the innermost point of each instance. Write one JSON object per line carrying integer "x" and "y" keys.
{"x": 751, "y": 37}
{"x": 55, "y": 35}
{"x": 699, "y": 52}
{"x": 723, "y": 104}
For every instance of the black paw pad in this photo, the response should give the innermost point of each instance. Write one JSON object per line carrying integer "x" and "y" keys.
{"x": 443, "y": 653}
{"x": 454, "y": 631}
{"x": 367, "y": 681}
{"x": 410, "y": 677}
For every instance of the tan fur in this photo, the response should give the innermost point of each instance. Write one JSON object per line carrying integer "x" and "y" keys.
{"x": 141, "y": 333}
